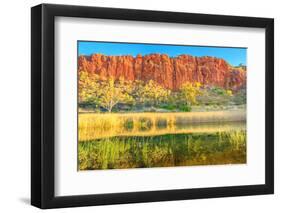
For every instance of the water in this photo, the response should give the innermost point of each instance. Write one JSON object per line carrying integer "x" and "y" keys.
{"x": 166, "y": 146}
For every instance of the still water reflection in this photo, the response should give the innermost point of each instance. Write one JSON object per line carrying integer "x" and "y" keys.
{"x": 165, "y": 146}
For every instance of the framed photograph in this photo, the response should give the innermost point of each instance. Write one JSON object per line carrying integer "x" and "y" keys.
{"x": 139, "y": 106}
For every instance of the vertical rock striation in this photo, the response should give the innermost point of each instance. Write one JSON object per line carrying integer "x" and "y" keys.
{"x": 170, "y": 72}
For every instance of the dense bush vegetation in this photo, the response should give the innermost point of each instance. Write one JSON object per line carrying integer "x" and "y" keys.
{"x": 107, "y": 95}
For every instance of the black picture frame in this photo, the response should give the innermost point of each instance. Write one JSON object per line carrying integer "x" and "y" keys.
{"x": 43, "y": 102}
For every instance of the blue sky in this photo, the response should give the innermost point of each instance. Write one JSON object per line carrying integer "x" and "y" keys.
{"x": 234, "y": 56}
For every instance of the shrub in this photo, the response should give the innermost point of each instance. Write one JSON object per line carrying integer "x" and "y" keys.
{"x": 185, "y": 108}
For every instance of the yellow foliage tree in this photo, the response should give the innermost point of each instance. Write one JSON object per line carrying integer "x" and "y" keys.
{"x": 103, "y": 93}
{"x": 113, "y": 92}
{"x": 229, "y": 92}
{"x": 189, "y": 92}
{"x": 88, "y": 87}
{"x": 151, "y": 92}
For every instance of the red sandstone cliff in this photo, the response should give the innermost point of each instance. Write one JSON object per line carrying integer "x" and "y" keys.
{"x": 167, "y": 71}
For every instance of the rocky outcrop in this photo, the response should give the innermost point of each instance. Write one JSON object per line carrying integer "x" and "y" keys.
{"x": 170, "y": 72}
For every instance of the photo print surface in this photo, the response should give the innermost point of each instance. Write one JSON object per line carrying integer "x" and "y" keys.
{"x": 160, "y": 105}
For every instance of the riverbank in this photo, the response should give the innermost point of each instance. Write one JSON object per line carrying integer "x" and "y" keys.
{"x": 99, "y": 125}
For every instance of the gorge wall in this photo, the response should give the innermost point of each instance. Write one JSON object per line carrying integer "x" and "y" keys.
{"x": 170, "y": 72}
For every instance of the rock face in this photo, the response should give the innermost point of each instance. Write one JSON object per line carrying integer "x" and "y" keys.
{"x": 170, "y": 72}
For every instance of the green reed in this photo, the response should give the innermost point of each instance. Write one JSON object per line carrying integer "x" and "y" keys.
{"x": 163, "y": 151}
